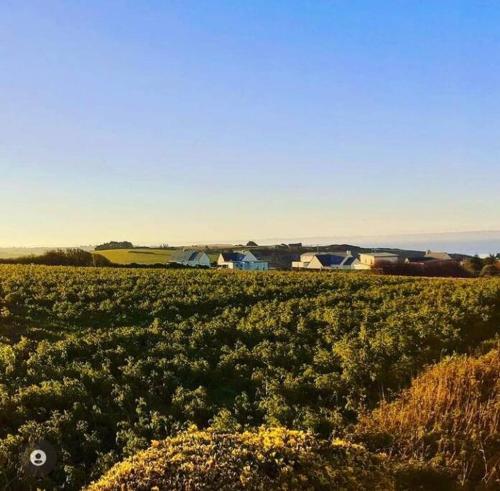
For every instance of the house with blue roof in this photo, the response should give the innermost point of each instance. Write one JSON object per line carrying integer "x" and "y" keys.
{"x": 241, "y": 260}
{"x": 326, "y": 260}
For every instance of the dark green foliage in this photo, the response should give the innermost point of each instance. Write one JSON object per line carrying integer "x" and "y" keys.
{"x": 101, "y": 361}
{"x": 114, "y": 245}
{"x": 488, "y": 266}
{"x": 62, "y": 257}
{"x": 490, "y": 270}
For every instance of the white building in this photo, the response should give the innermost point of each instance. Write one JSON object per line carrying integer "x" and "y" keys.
{"x": 305, "y": 259}
{"x": 190, "y": 258}
{"x": 326, "y": 260}
{"x": 441, "y": 256}
{"x": 374, "y": 259}
{"x": 241, "y": 260}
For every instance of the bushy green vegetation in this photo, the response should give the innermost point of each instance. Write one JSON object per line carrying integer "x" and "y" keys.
{"x": 101, "y": 361}
{"x": 267, "y": 459}
{"x": 440, "y": 434}
{"x": 61, "y": 257}
{"x": 487, "y": 266}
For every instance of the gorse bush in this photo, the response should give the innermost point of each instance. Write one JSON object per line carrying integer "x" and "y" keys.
{"x": 101, "y": 361}
{"x": 61, "y": 257}
{"x": 449, "y": 418}
{"x": 267, "y": 459}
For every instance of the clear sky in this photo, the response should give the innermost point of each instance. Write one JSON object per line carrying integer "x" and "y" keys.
{"x": 181, "y": 121}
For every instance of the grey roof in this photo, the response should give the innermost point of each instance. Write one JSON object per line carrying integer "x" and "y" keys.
{"x": 314, "y": 253}
{"x": 379, "y": 254}
{"x": 349, "y": 261}
{"x": 438, "y": 255}
{"x": 184, "y": 256}
{"x": 232, "y": 256}
{"x": 419, "y": 259}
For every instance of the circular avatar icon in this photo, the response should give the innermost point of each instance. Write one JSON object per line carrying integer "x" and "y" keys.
{"x": 39, "y": 458}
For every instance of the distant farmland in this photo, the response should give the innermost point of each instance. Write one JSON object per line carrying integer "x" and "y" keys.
{"x": 138, "y": 256}
{"x": 144, "y": 256}
{"x": 117, "y": 256}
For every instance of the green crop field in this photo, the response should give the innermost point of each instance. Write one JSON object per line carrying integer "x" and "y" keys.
{"x": 143, "y": 256}
{"x": 101, "y": 361}
{"x": 138, "y": 256}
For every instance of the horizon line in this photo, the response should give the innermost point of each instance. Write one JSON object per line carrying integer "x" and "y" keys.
{"x": 271, "y": 239}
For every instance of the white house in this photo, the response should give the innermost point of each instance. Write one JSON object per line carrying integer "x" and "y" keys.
{"x": 305, "y": 259}
{"x": 190, "y": 258}
{"x": 374, "y": 259}
{"x": 241, "y": 260}
{"x": 326, "y": 260}
{"x": 441, "y": 256}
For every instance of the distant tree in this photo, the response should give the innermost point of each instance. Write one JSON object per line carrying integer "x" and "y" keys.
{"x": 490, "y": 270}
{"x": 476, "y": 262}
{"x": 473, "y": 265}
{"x": 62, "y": 257}
{"x": 99, "y": 260}
{"x": 251, "y": 243}
{"x": 114, "y": 245}
{"x": 432, "y": 268}
{"x": 491, "y": 259}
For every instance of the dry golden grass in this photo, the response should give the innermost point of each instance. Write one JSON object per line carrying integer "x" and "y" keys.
{"x": 449, "y": 418}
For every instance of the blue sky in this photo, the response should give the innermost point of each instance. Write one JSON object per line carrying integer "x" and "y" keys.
{"x": 182, "y": 121}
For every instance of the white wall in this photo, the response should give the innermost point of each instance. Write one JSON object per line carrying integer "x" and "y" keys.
{"x": 300, "y": 264}
{"x": 256, "y": 266}
{"x": 371, "y": 260}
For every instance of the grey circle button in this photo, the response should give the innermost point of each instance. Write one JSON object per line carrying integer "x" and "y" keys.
{"x": 39, "y": 458}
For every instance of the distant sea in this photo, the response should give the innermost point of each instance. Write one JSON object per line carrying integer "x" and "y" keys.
{"x": 481, "y": 243}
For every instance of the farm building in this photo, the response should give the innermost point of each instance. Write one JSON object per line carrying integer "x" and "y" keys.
{"x": 326, "y": 260}
{"x": 441, "y": 256}
{"x": 420, "y": 260}
{"x": 374, "y": 259}
{"x": 429, "y": 257}
{"x": 189, "y": 258}
{"x": 241, "y": 260}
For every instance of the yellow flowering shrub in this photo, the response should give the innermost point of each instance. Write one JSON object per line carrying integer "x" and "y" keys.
{"x": 267, "y": 459}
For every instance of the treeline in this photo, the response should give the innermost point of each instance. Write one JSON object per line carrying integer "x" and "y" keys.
{"x": 469, "y": 268}
{"x": 114, "y": 245}
{"x": 79, "y": 257}
{"x": 62, "y": 257}
{"x": 487, "y": 266}
{"x": 440, "y": 269}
